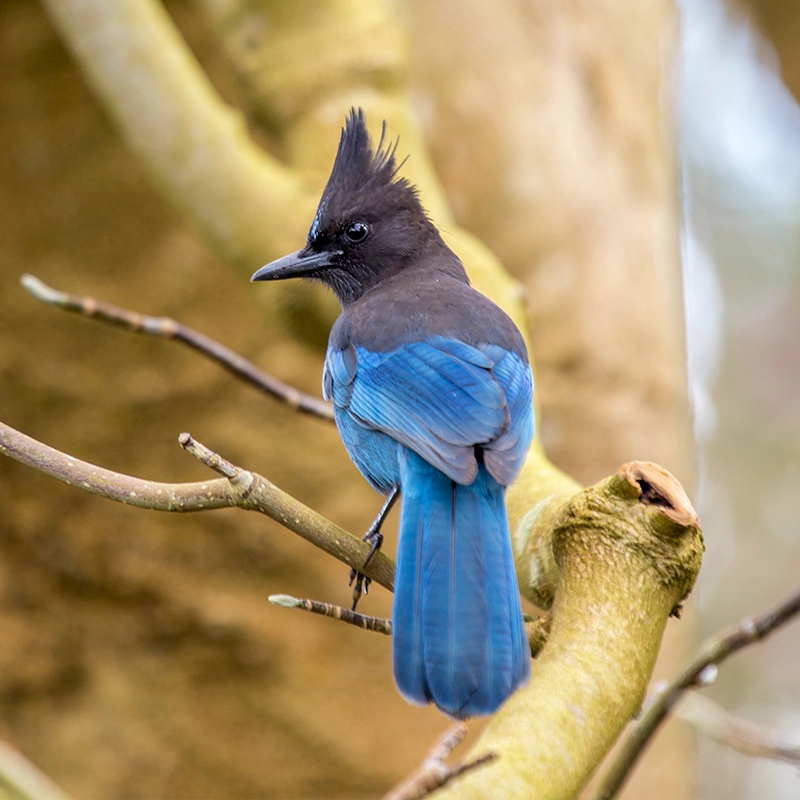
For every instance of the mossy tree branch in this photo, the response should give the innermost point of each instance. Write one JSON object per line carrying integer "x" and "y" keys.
{"x": 715, "y": 649}
{"x": 626, "y": 563}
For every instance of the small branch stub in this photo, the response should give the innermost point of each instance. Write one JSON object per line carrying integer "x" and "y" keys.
{"x": 660, "y": 488}
{"x": 208, "y": 457}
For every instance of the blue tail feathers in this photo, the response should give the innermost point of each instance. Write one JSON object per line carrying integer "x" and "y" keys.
{"x": 458, "y": 635}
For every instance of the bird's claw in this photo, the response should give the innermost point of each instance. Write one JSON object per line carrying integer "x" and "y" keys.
{"x": 375, "y": 539}
{"x": 362, "y": 582}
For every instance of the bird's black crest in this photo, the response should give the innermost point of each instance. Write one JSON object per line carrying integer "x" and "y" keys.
{"x": 356, "y": 164}
{"x": 363, "y": 176}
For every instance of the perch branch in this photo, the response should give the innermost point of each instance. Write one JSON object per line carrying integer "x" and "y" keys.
{"x": 747, "y": 737}
{"x": 434, "y": 773}
{"x": 377, "y": 624}
{"x": 238, "y": 489}
{"x": 698, "y": 672}
{"x": 168, "y": 328}
{"x": 537, "y": 630}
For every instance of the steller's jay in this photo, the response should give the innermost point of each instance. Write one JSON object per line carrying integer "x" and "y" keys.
{"x": 431, "y": 389}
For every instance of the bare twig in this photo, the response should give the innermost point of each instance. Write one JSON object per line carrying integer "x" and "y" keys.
{"x": 22, "y": 780}
{"x": 239, "y": 489}
{"x": 740, "y": 734}
{"x": 699, "y": 671}
{"x": 377, "y": 624}
{"x": 168, "y": 328}
{"x": 537, "y": 629}
{"x": 434, "y": 773}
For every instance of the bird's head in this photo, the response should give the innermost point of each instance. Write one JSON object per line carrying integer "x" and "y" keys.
{"x": 369, "y": 226}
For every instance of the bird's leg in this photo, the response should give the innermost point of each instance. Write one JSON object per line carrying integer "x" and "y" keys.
{"x": 375, "y": 539}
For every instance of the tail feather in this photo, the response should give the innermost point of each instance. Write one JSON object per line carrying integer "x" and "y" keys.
{"x": 458, "y": 634}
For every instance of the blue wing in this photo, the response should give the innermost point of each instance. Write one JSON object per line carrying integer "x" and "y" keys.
{"x": 440, "y": 397}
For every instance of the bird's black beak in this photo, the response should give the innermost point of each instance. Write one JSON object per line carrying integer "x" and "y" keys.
{"x": 295, "y": 265}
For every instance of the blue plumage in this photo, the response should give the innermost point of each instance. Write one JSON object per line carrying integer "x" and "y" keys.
{"x": 458, "y": 636}
{"x": 412, "y": 417}
{"x": 432, "y": 393}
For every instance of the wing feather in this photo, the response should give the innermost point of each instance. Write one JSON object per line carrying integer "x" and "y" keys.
{"x": 441, "y": 398}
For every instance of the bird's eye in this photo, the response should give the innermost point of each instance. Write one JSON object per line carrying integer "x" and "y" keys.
{"x": 357, "y": 231}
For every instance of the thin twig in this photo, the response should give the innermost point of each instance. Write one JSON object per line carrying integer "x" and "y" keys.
{"x": 537, "y": 629}
{"x": 698, "y": 672}
{"x": 168, "y": 328}
{"x": 434, "y": 773}
{"x": 239, "y": 489}
{"x": 377, "y": 624}
{"x": 747, "y": 737}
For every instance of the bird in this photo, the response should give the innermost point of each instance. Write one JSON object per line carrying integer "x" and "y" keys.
{"x": 431, "y": 388}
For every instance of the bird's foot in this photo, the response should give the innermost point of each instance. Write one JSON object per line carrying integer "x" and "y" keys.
{"x": 375, "y": 539}
{"x": 361, "y": 586}
{"x": 361, "y": 581}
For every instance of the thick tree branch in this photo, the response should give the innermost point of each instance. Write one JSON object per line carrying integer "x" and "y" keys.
{"x": 239, "y": 489}
{"x": 625, "y": 565}
{"x": 168, "y": 328}
{"x": 696, "y": 673}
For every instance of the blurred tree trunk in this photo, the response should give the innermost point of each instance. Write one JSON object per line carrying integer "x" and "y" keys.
{"x": 140, "y": 648}
{"x": 554, "y": 139}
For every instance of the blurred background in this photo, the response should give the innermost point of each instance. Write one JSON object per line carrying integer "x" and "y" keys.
{"x": 606, "y": 155}
{"x": 738, "y": 85}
